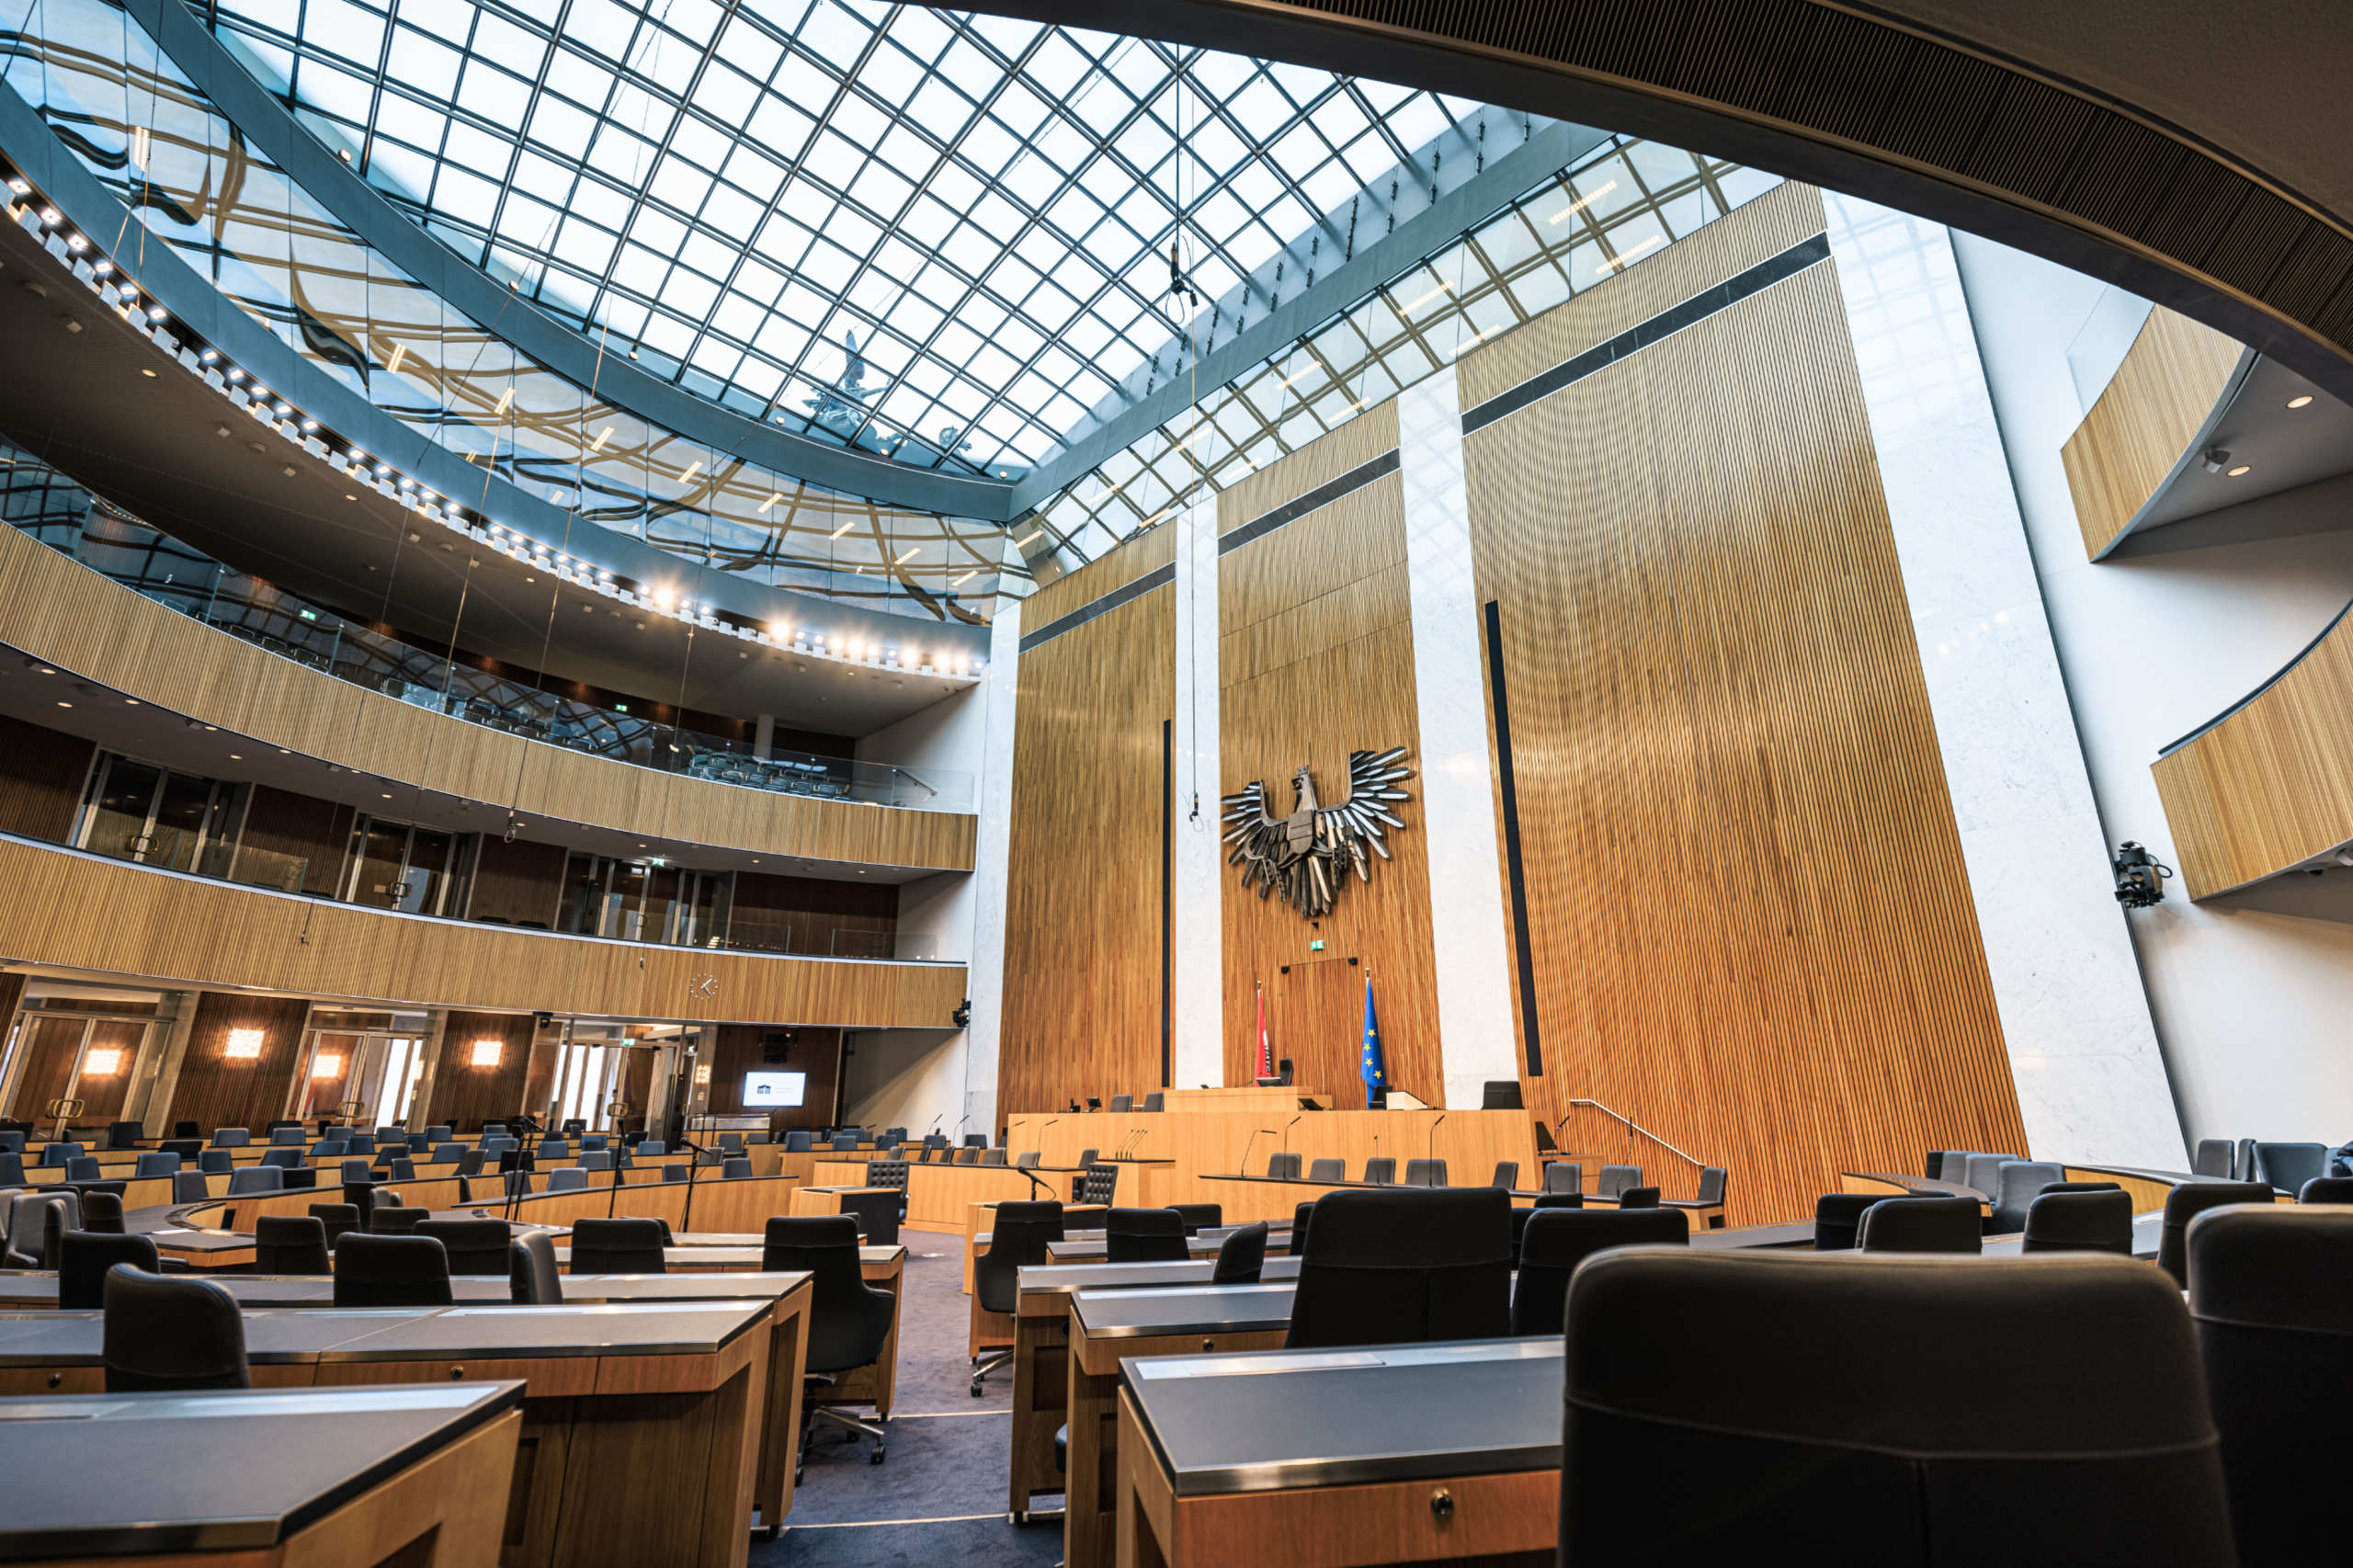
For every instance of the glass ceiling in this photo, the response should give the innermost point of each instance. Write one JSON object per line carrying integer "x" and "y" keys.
{"x": 940, "y": 237}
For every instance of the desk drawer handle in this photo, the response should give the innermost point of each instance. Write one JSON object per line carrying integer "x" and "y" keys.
{"x": 457, "y": 1372}
{"x": 1442, "y": 1504}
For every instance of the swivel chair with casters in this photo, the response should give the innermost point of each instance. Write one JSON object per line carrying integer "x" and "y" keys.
{"x": 531, "y": 1277}
{"x": 1242, "y": 1257}
{"x": 102, "y": 1209}
{"x": 1563, "y": 1175}
{"x": 1838, "y": 1219}
{"x": 291, "y": 1244}
{"x": 85, "y": 1259}
{"x": 1144, "y": 1235}
{"x": 163, "y": 1334}
{"x": 1557, "y": 1240}
{"x": 391, "y": 1271}
{"x": 1334, "y": 1172}
{"x": 1922, "y": 1224}
{"x": 1403, "y": 1267}
{"x": 2186, "y": 1202}
{"x": 1425, "y": 1173}
{"x": 849, "y": 1321}
{"x": 617, "y": 1246}
{"x": 2080, "y": 1221}
{"x": 876, "y": 1213}
{"x": 1017, "y": 1238}
{"x": 476, "y": 1248}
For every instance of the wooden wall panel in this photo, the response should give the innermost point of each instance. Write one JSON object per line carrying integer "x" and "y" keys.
{"x": 1106, "y": 574}
{"x": 1084, "y": 924}
{"x": 64, "y": 613}
{"x": 41, "y": 774}
{"x": 131, "y": 921}
{"x": 2271, "y": 786}
{"x": 800, "y": 914}
{"x": 517, "y": 882}
{"x": 215, "y": 1090}
{"x": 464, "y": 1096}
{"x": 2151, "y": 409}
{"x": 1744, "y": 879}
{"x": 279, "y": 823}
{"x": 817, "y": 1052}
{"x": 1316, "y": 660}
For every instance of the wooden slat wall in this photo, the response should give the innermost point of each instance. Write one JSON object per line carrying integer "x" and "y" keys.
{"x": 279, "y": 823}
{"x": 41, "y": 773}
{"x": 214, "y": 1091}
{"x": 63, "y": 612}
{"x": 2150, "y": 412}
{"x": 1315, "y": 659}
{"x": 465, "y": 1095}
{"x": 1748, "y": 912}
{"x": 130, "y": 921}
{"x": 1083, "y": 904}
{"x": 2271, "y": 785}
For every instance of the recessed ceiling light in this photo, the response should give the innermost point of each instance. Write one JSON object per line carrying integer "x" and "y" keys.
{"x": 2239, "y": 470}
{"x": 131, "y": 702}
{"x": 147, "y": 372}
{"x": 65, "y": 705}
{"x": 234, "y": 757}
{"x": 388, "y": 797}
{"x": 2300, "y": 402}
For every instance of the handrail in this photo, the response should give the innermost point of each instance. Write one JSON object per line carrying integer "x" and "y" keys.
{"x": 1633, "y": 1126}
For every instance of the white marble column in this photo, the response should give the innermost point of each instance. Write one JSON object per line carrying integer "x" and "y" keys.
{"x": 2091, "y": 1085}
{"x": 992, "y": 843}
{"x": 1452, "y": 774}
{"x": 1195, "y": 911}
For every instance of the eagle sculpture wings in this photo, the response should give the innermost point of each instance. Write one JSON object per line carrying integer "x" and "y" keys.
{"x": 1307, "y": 855}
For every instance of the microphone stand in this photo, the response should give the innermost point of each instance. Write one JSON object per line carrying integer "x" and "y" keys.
{"x": 694, "y": 1168}
{"x": 1287, "y": 1127}
{"x": 1244, "y": 1162}
{"x": 1432, "y": 1152}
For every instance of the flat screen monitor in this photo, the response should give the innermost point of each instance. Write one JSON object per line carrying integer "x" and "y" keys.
{"x": 772, "y": 1091}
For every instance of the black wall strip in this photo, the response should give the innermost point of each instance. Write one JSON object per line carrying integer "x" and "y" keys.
{"x": 1167, "y": 893}
{"x": 1531, "y": 1032}
{"x": 1158, "y": 578}
{"x": 1698, "y": 308}
{"x": 1266, "y": 523}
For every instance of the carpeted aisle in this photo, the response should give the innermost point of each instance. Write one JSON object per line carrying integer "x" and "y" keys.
{"x": 939, "y": 1499}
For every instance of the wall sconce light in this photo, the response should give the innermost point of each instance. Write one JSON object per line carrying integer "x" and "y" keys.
{"x": 326, "y": 1064}
{"x": 487, "y": 1051}
{"x": 102, "y": 1063}
{"x": 244, "y": 1045}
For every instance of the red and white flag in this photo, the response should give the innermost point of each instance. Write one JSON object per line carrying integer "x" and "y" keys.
{"x": 1265, "y": 1050}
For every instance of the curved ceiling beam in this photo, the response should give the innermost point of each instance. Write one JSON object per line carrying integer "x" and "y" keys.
{"x": 2070, "y": 153}
{"x": 327, "y": 180}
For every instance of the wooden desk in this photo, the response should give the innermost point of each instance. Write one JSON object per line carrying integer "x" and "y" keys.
{"x": 819, "y": 1200}
{"x": 355, "y": 1476}
{"x": 940, "y": 1197}
{"x": 1076, "y": 1218}
{"x": 1248, "y": 1097}
{"x": 1890, "y": 1185}
{"x": 1328, "y": 1459}
{"x": 642, "y": 1421}
{"x": 1042, "y": 1355}
{"x": 994, "y": 1331}
{"x": 1107, "y": 1328}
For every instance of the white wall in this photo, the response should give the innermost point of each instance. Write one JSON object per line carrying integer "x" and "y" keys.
{"x": 910, "y": 1078}
{"x": 2249, "y": 992}
{"x": 948, "y": 735}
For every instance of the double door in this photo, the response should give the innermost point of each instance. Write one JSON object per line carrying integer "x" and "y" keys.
{"x": 645, "y": 901}
{"x": 395, "y": 865}
{"x": 378, "y": 1069}
{"x": 73, "y": 1056}
{"x": 155, "y": 816}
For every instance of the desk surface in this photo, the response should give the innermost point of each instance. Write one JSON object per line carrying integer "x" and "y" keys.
{"x": 230, "y": 1470}
{"x": 36, "y": 1289}
{"x": 1274, "y": 1420}
{"x": 1064, "y": 1278}
{"x": 1182, "y": 1309}
{"x": 746, "y": 1256}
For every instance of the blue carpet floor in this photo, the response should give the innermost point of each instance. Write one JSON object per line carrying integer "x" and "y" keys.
{"x": 939, "y": 1497}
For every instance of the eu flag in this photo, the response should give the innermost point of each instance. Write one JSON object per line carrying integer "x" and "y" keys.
{"x": 1376, "y": 1077}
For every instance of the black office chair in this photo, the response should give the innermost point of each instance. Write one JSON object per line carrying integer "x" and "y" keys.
{"x": 1017, "y": 1238}
{"x": 1155, "y": 1101}
{"x": 2186, "y": 1202}
{"x": 1101, "y": 1183}
{"x": 1556, "y": 1240}
{"x": 1709, "y": 1196}
{"x": 2289, "y": 1165}
{"x": 2212, "y": 1159}
{"x": 102, "y": 1209}
{"x": 291, "y": 1244}
{"x": 617, "y": 1246}
{"x": 876, "y": 1213}
{"x": 1615, "y": 1180}
{"x": 1638, "y": 1197}
{"x": 1027, "y": 1159}
{"x": 992, "y": 1157}
{"x": 391, "y": 1271}
{"x": 1563, "y": 1175}
{"x": 848, "y": 1319}
{"x": 1144, "y": 1235}
{"x": 1506, "y": 1176}
{"x": 477, "y": 1248}
{"x": 85, "y": 1259}
{"x": 1501, "y": 1094}
{"x": 1298, "y": 1218}
{"x": 1121, "y": 1103}
{"x": 126, "y": 1134}
{"x": 1922, "y": 1224}
{"x": 57, "y": 1222}
{"x": 1380, "y": 1171}
{"x": 531, "y": 1277}
{"x": 1283, "y": 1167}
{"x": 2326, "y": 1189}
{"x": 392, "y": 1220}
{"x": 2020, "y": 1184}
{"x": 2274, "y": 1327}
{"x": 1333, "y": 1171}
{"x": 1199, "y": 1217}
{"x": 2081, "y": 1222}
{"x": 1838, "y": 1219}
{"x": 1425, "y": 1173}
{"x": 336, "y": 1219}
{"x": 1242, "y": 1257}
{"x": 967, "y": 1155}
{"x": 170, "y": 1336}
{"x": 1394, "y": 1268}
{"x": 187, "y": 1129}
{"x": 2058, "y": 1418}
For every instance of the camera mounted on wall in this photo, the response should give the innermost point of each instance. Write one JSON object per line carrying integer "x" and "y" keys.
{"x": 962, "y": 1015}
{"x": 2140, "y": 877}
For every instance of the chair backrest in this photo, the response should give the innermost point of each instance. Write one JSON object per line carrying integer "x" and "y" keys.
{"x": 1101, "y": 1183}
{"x": 1506, "y": 1175}
{"x": 1838, "y": 1219}
{"x": 291, "y": 1244}
{"x": 798, "y": 1142}
{"x": 1283, "y": 1166}
{"x": 649, "y": 1147}
{"x": 126, "y": 1134}
{"x": 1199, "y": 1217}
{"x": 256, "y": 1178}
{"x": 2242, "y": 1167}
{"x": 85, "y": 1259}
{"x": 1327, "y": 1170}
{"x": 1380, "y": 1171}
{"x": 156, "y": 1163}
{"x": 1027, "y": 1159}
{"x": 2058, "y": 1420}
{"x": 283, "y": 1158}
{"x": 554, "y": 1149}
{"x": 2289, "y": 1165}
{"x": 400, "y": 1168}
{"x": 570, "y": 1179}
{"x": 992, "y": 1157}
{"x": 439, "y": 1133}
{"x": 1711, "y": 1185}
{"x": 1425, "y": 1173}
{"x": 1122, "y": 1103}
{"x": 1615, "y": 1180}
{"x": 58, "y": 1153}
{"x": 30, "y": 1226}
{"x": 1563, "y": 1175}
{"x": 395, "y": 1220}
{"x": 232, "y": 1137}
{"x": 846, "y": 1139}
{"x": 2326, "y": 1189}
{"x": 2081, "y": 1222}
{"x": 968, "y": 1156}
{"x": 1144, "y": 1235}
{"x": 2186, "y": 1202}
{"x": 1500, "y": 1093}
{"x": 84, "y": 1167}
{"x": 1638, "y": 1197}
{"x": 531, "y": 1277}
{"x": 215, "y": 1162}
{"x": 2275, "y": 1329}
{"x": 335, "y": 1220}
{"x": 734, "y": 1167}
{"x": 1155, "y": 1100}
{"x": 1923, "y": 1225}
{"x": 617, "y": 1246}
{"x": 445, "y": 1154}
{"x": 1405, "y": 1266}
{"x": 1017, "y": 1237}
{"x": 188, "y": 1187}
{"x": 1555, "y": 1241}
{"x": 2212, "y": 1159}
{"x": 283, "y": 1137}
{"x": 594, "y": 1141}
{"x": 360, "y": 1143}
{"x": 170, "y": 1334}
{"x": 887, "y": 1173}
{"x": 2020, "y": 1183}
{"x": 102, "y": 1209}
{"x": 675, "y": 1172}
{"x": 1298, "y": 1218}
{"x": 476, "y": 1248}
{"x": 877, "y": 1214}
{"x": 391, "y": 1271}
{"x": 848, "y": 1319}
{"x": 1242, "y": 1257}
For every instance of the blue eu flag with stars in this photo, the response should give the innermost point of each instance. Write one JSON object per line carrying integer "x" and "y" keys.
{"x": 1376, "y": 1075}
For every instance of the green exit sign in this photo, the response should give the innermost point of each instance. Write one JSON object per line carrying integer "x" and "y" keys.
{"x": 1316, "y": 945}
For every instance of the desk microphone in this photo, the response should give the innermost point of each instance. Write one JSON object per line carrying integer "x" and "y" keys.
{"x": 1244, "y": 1169}
{"x": 1287, "y": 1127}
{"x": 1429, "y": 1176}
{"x": 1041, "y": 1136}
